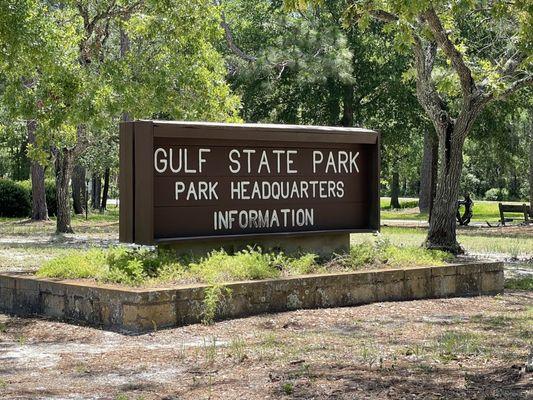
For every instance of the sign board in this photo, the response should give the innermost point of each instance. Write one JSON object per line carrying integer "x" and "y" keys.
{"x": 186, "y": 180}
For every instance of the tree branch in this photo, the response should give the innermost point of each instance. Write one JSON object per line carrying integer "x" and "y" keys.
{"x": 426, "y": 91}
{"x": 229, "y": 37}
{"x": 441, "y": 37}
{"x": 515, "y": 86}
{"x": 384, "y": 16}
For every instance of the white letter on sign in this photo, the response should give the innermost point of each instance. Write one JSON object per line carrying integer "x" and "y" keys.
{"x": 201, "y": 159}
{"x": 318, "y": 157}
{"x": 238, "y": 167}
{"x": 180, "y": 188}
{"x": 163, "y": 160}
{"x": 352, "y": 161}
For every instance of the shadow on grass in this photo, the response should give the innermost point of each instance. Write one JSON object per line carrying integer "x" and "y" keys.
{"x": 346, "y": 381}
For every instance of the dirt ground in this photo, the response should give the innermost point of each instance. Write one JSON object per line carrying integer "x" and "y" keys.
{"x": 465, "y": 348}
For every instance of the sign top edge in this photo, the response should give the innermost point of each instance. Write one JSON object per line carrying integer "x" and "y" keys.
{"x": 255, "y": 126}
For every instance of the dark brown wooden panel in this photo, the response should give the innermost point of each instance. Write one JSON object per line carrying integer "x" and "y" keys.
{"x": 144, "y": 193}
{"x": 126, "y": 183}
{"x": 186, "y": 175}
{"x": 224, "y": 191}
{"x": 199, "y": 221}
{"x": 264, "y": 132}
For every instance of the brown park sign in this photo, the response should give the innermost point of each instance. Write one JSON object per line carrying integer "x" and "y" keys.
{"x": 186, "y": 180}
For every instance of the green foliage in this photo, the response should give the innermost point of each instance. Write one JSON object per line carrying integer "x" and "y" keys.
{"x": 14, "y": 199}
{"x": 288, "y": 388}
{"x": 453, "y": 344}
{"x": 398, "y": 256}
{"x": 50, "y": 193}
{"x": 213, "y": 297}
{"x": 496, "y": 194}
{"x": 306, "y": 264}
{"x": 381, "y": 252}
{"x": 120, "y": 265}
{"x": 385, "y": 204}
{"x": 361, "y": 255}
{"x": 64, "y": 66}
{"x": 219, "y": 266}
{"x": 140, "y": 266}
{"x": 78, "y": 264}
{"x": 522, "y": 283}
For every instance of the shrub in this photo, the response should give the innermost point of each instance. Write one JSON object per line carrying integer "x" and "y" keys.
{"x": 521, "y": 283}
{"x": 408, "y": 203}
{"x": 497, "y": 194}
{"x": 51, "y": 199}
{"x": 133, "y": 266}
{"x": 50, "y": 193}
{"x": 14, "y": 199}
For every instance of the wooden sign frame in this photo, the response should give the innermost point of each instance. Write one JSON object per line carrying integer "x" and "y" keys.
{"x": 136, "y": 179}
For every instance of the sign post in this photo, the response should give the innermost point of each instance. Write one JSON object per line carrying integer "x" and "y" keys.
{"x": 191, "y": 184}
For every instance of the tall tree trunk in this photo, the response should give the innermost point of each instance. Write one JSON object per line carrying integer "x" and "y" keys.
{"x": 78, "y": 189}
{"x": 332, "y": 103}
{"x": 64, "y": 168}
{"x": 530, "y": 125}
{"x": 442, "y": 225}
{"x": 39, "y": 210}
{"x": 395, "y": 187}
{"x": 105, "y": 191}
{"x": 347, "y": 106}
{"x": 428, "y": 171}
{"x": 96, "y": 187}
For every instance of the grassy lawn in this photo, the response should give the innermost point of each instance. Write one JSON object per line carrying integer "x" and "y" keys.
{"x": 474, "y": 241}
{"x": 483, "y": 210}
{"x": 108, "y": 221}
{"x": 96, "y": 222}
{"x": 26, "y": 245}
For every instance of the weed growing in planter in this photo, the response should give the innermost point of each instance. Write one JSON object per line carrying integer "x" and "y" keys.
{"x": 213, "y": 296}
{"x": 253, "y": 264}
{"x": 148, "y": 266}
{"x": 89, "y": 264}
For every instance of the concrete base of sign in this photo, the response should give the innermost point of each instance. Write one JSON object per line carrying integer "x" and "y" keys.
{"x": 141, "y": 310}
{"x": 323, "y": 244}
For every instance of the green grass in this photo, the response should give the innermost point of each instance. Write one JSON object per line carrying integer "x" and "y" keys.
{"x": 106, "y": 222}
{"x": 522, "y": 283}
{"x": 89, "y": 264}
{"x": 483, "y": 210}
{"x": 452, "y": 344}
{"x": 139, "y": 267}
{"x": 413, "y": 237}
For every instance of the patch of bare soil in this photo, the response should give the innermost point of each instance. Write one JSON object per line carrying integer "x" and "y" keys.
{"x": 464, "y": 348}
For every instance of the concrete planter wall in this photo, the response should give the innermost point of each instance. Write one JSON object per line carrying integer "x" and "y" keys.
{"x": 142, "y": 310}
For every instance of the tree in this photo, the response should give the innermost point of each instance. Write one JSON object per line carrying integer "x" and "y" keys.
{"x": 25, "y": 54}
{"x": 466, "y": 54}
{"x": 530, "y": 125}
{"x": 428, "y": 171}
{"x": 310, "y": 68}
{"x": 172, "y": 71}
